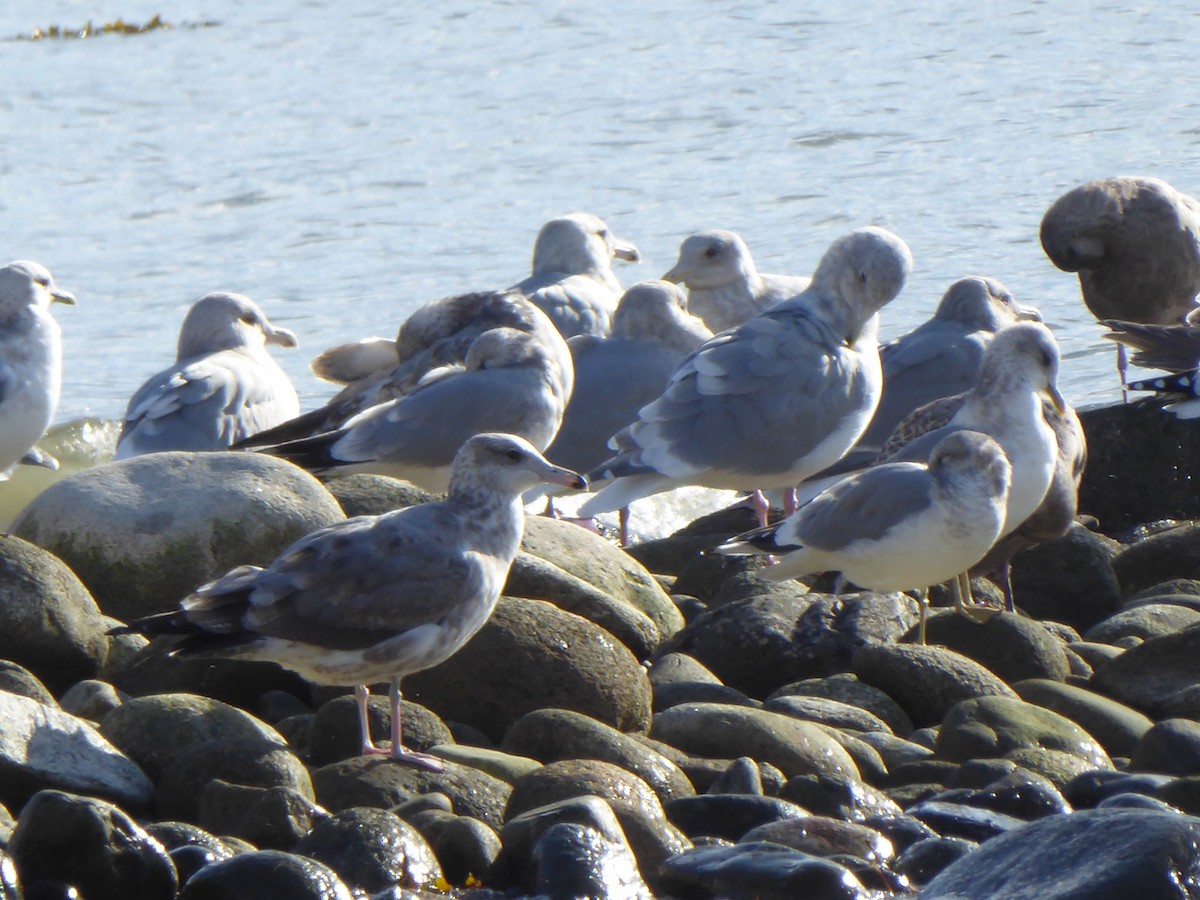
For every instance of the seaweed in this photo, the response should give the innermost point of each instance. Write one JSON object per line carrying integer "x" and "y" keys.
{"x": 119, "y": 26}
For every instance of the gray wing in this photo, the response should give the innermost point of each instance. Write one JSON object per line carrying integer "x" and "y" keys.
{"x": 864, "y": 506}
{"x": 206, "y": 404}
{"x": 754, "y": 399}
{"x": 1173, "y": 348}
{"x": 576, "y": 304}
{"x": 352, "y": 584}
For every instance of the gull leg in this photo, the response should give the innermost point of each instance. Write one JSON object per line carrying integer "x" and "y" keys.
{"x": 1122, "y": 370}
{"x": 790, "y": 503}
{"x": 964, "y": 604}
{"x": 923, "y": 602}
{"x": 399, "y": 754}
{"x": 550, "y": 512}
{"x": 1006, "y": 583}
{"x": 362, "y": 694}
{"x": 761, "y": 507}
{"x": 623, "y": 522}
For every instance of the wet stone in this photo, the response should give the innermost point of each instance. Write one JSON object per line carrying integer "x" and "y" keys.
{"x": 371, "y": 850}
{"x": 266, "y": 875}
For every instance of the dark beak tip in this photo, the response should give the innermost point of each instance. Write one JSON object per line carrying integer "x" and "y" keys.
{"x": 581, "y": 483}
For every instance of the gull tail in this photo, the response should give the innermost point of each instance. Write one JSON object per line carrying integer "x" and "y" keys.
{"x": 1182, "y": 389}
{"x": 1169, "y": 347}
{"x": 305, "y": 425}
{"x": 315, "y": 454}
{"x": 623, "y": 491}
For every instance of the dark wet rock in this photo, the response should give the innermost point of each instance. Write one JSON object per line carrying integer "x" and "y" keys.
{"x": 1095, "y": 655}
{"x": 972, "y": 823}
{"x": 44, "y": 747}
{"x": 668, "y": 555}
{"x": 144, "y": 532}
{"x": 679, "y": 693}
{"x": 827, "y": 712}
{"x": 749, "y": 583}
{"x": 371, "y": 850}
{"x": 636, "y": 806}
{"x": 1093, "y": 853}
{"x": 1068, "y": 580}
{"x": 252, "y": 762}
{"x": 584, "y": 853}
{"x": 49, "y": 623}
{"x": 894, "y": 751}
{"x": 335, "y": 733}
{"x": 901, "y": 830}
{"x": 1139, "y": 801}
{"x": 824, "y": 836}
{"x": 1144, "y": 621}
{"x": 1150, "y": 674}
{"x": 679, "y": 668}
{"x": 925, "y": 859}
{"x": 269, "y": 818}
{"x": 1090, "y": 788}
{"x": 549, "y": 735}
{"x": 762, "y": 870}
{"x": 190, "y": 847}
{"x": 716, "y": 730}
{"x": 1171, "y": 747}
{"x": 1009, "y": 646}
{"x": 870, "y": 764}
{"x": 463, "y": 846}
{"x": 16, "y": 679}
{"x": 926, "y": 681}
{"x": 90, "y": 699}
{"x": 92, "y": 845}
{"x": 414, "y": 807}
{"x": 508, "y": 767}
{"x": 728, "y": 816}
{"x": 266, "y": 875}
{"x": 979, "y": 773}
{"x": 741, "y": 776}
{"x": 706, "y": 576}
{"x": 1178, "y": 793}
{"x": 846, "y": 688}
{"x": 275, "y": 706}
{"x": 995, "y": 726}
{"x": 838, "y": 797}
{"x": 1024, "y": 795}
{"x": 1058, "y": 767}
{"x": 156, "y": 731}
{"x": 1174, "y": 553}
{"x": 380, "y": 783}
{"x": 1117, "y": 727}
{"x": 364, "y": 494}
{"x": 531, "y": 655}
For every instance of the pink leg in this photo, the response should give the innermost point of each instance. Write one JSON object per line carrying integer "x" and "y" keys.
{"x": 399, "y": 754}
{"x": 362, "y": 694}
{"x": 789, "y": 501}
{"x": 1122, "y": 370}
{"x": 761, "y": 507}
{"x": 550, "y": 512}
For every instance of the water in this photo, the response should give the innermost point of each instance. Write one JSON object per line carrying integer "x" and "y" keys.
{"x": 345, "y": 167}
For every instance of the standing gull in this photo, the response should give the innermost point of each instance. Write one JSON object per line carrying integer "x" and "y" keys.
{"x": 375, "y": 597}
{"x": 572, "y": 280}
{"x": 768, "y": 403}
{"x": 724, "y": 287}
{"x": 509, "y": 382}
{"x": 897, "y": 526}
{"x": 1175, "y": 348}
{"x": 30, "y": 362}
{"x": 223, "y": 387}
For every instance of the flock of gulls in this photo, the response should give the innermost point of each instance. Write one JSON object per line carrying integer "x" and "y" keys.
{"x": 929, "y": 459}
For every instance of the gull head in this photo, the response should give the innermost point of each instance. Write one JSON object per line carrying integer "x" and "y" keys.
{"x": 579, "y": 244}
{"x": 225, "y": 321}
{"x": 657, "y": 311}
{"x": 712, "y": 259}
{"x": 25, "y": 284}
{"x": 1022, "y": 357}
{"x": 983, "y": 304}
{"x": 505, "y": 464}
{"x": 864, "y": 269}
{"x": 971, "y": 456}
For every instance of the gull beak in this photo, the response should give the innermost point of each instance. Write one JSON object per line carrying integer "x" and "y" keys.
{"x": 565, "y": 477}
{"x": 675, "y": 275}
{"x": 61, "y": 296}
{"x": 625, "y": 251}
{"x": 1056, "y": 400}
{"x": 284, "y": 337}
{"x": 1028, "y": 313}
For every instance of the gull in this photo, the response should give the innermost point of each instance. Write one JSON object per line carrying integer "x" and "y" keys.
{"x": 509, "y": 382}
{"x": 1175, "y": 348}
{"x": 768, "y": 403}
{"x": 1018, "y": 379}
{"x": 897, "y": 526}
{"x": 375, "y": 598}
{"x": 30, "y": 361}
{"x": 1135, "y": 244}
{"x": 724, "y": 287}
{"x": 223, "y": 387}
{"x": 572, "y": 280}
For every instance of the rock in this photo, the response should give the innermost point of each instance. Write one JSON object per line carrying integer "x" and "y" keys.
{"x": 970, "y": 823}
{"x": 371, "y": 850}
{"x": 271, "y": 818}
{"x": 728, "y": 816}
{"x": 550, "y": 735}
{"x": 762, "y": 870}
{"x": 1068, "y": 580}
{"x": 1011, "y": 647}
{"x": 365, "y": 494}
{"x": 1117, "y": 727}
{"x": 44, "y": 747}
{"x": 845, "y": 687}
{"x": 1171, "y": 747}
{"x": 266, "y": 875}
{"x": 508, "y": 767}
{"x": 1056, "y": 766}
{"x": 892, "y": 750}
{"x": 252, "y": 762}
{"x": 1181, "y": 794}
{"x": 921, "y": 862}
{"x": 144, "y": 532}
{"x": 531, "y": 655}
{"x": 92, "y": 845}
{"x": 90, "y": 699}
{"x": 156, "y": 731}
{"x": 679, "y": 668}
{"x": 190, "y": 848}
{"x": 926, "y": 681}
{"x": 1091, "y": 788}
{"x": 679, "y": 693}
{"x": 233, "y": 681}
{"x": 866, "y": 759}
{"x": 1174, "y": 553}
{"x": 995, "y": 726}
{"x": 49, "y": 623}
{"x": 839, "y": 797}
{"x": 741, "y": 776}
{"x": 381, "y": 784}
{"x": 824, "y": 836}
{"x": 1143, "y": 621}
{"x": 716, "y": 730}
{"x": 335, "y": 732}
{"x": 671, "y": 554}
{"x": 1147, "y": 676}
{"x": 464, "y": 847}
{"x": 15, "y": 679}
{"x": 828, "y": 712}
{"x": 1019, "y": 793}
{"x": 637, "y": 808}
{"x": 1093, "y": 853}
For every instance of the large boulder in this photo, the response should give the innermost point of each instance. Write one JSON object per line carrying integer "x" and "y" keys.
{"x": 144, "y": 532}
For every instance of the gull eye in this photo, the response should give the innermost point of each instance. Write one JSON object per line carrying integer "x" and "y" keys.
{"x": 711, "y": 252}
{"x": 514, "y": 455}
{"x": 249, "y": 318}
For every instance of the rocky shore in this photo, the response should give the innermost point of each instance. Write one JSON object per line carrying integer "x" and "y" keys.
{"x": 657, "y": 723}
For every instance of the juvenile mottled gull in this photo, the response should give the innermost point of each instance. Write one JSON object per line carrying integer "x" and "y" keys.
{"x": 509, "y": 382}
{"x": 30, "y": 361}
{"x": 768, "y": 403}
{"x": 1135, "y": 244}
{"x": 572, "y": 280}
{"x": 375, "y": 597}
{"x": 438, "y": 334}
{"x": 897, "y": 526}
{"x": 1174, "y": 348}
{"x": 939, "y": 358}
{"x": 724, "y": 287}
{"x": 223, "y": 387}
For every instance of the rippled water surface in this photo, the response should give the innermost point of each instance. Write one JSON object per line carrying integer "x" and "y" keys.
{"x": 345, "y": 167}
